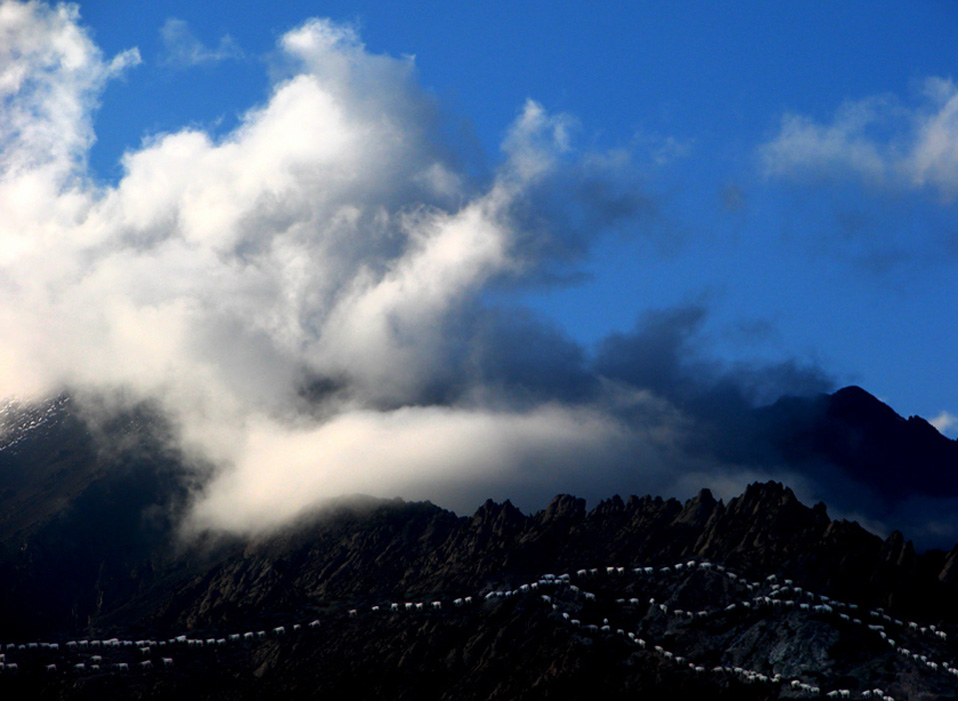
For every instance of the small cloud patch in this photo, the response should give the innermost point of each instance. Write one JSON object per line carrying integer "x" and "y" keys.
{"x": 183, "y": 49}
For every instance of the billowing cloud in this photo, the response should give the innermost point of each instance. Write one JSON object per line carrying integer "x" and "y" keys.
{"x": 301, "y": 295}
{"x": 305, "y": 295}
{"x": 880, "y": 140}
{"x": 182, "y": 48}
{"x": 51, "y": 75}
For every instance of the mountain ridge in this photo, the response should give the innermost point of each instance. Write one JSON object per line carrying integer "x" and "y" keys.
{"x": 99, "y": 558}
{"x": 360, "y": 556}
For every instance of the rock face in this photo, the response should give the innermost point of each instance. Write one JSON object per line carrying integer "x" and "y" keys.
{"x": 87, "y": 552}
{"x": 371, "y": 553}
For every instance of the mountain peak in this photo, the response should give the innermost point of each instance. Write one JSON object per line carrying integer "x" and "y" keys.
{"x": 853, "y": 436}
{"x": 854, "y": 402}
{"x": 770, "y": 492}
{"x": 564, "y": 506}
{"x": 854, "y": 392}
{"x": 699, "y": 509}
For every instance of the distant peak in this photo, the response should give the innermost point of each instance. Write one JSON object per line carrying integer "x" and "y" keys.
{"x": 771, "y": 488}
{"x": 857, "y": 399}
{"x": 564, "y": 506}
{"x": 698, "y": 509}
{"x": 705, "y": 496}
{"x": 492, "y": 511}
{"x": 854, "y": 391}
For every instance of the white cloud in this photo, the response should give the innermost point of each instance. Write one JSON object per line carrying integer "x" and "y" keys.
{"x": 50, "y": 77}
{"x": 433, "y": 452}
{"x": 328, "y": 246}
{"x": 879, "y": 140}
{"x": 183, "y": 49}
{"x": 934, "y": 158}
{"x": 945, "y": 422}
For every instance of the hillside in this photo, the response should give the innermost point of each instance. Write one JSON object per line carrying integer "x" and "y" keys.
{"x": 760, "y": 597}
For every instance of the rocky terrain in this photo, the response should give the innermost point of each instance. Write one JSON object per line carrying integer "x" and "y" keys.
{"x": 760, "y": 597}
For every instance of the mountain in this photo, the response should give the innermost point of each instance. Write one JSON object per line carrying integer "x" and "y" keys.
{"x": 866, "y": 440}
{"x": 757, "y": 598}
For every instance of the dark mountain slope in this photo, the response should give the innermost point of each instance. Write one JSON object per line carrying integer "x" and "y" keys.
{"x": 866, "y": 440}
{"x": 88, "y": 551}
{"x": 87, "y": 514}
{"x": 87, "y": 532}
{"x": 386, "y": 550}
{"x": 359, "y": 556}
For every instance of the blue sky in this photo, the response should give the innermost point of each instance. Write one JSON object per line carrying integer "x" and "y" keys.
{"x": 443, "y": 245}
{"x": 856, "y": 277}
